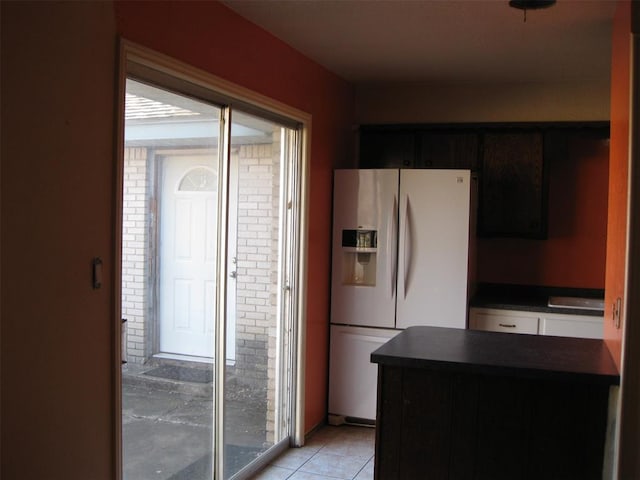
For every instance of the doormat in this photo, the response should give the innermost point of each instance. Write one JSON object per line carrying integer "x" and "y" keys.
{"x": 235, "y": 458}
{"x": 181, "y": 374}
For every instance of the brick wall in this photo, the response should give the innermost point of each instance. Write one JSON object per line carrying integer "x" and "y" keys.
{"x": 257, "y": 267}
{"x": 136, "y": 225}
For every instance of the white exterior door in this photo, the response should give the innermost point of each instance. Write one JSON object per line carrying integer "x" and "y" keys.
{"x": 188, "y": 225}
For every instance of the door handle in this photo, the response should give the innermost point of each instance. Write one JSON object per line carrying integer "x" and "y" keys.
{"x": 393, "y": 251}
{"x": 408, "y": 247}
{"x": 233, "y": 274}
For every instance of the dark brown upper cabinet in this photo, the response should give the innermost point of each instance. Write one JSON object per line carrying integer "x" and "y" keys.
{"x": 448, "y": 150}
{"x": 513, "y": 185}
{"x": 387, "y": 149}
{"x": 511, "y": 160}
{"x": 390, "y": 147}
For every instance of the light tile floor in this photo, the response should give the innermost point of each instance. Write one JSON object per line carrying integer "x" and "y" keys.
{"x": 343, "y": 452}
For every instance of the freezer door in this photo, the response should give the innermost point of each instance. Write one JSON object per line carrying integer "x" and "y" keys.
{"x": 363, "y": 286}
{"x": 433, "y": 252}
{"x": 352, "y": 376}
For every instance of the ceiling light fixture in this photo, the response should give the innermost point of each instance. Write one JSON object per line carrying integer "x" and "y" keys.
{"x": 530, "y": 5}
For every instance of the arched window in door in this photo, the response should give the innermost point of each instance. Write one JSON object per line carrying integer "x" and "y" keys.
{"x": 198, "y": 179}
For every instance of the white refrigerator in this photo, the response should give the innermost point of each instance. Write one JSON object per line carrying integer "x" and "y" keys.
{"x": 401, "y": 256}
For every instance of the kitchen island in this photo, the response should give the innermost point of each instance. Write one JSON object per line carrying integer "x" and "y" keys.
{"x": 462, "y": 404}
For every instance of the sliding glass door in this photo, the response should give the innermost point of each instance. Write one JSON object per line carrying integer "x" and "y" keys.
{"x": 254, "y": 413}
{"x": 206, "y": 269}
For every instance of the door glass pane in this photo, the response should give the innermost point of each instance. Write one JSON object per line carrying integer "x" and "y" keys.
{"x": 253, "y": 410}
{"x": 169, "y": 244}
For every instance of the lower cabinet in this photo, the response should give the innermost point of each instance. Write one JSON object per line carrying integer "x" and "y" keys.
{"x": 508, "y": 321}
{"x": 542, "y": 323}
{"x": 581, "y": 326}
{"x": 444, "y": 425}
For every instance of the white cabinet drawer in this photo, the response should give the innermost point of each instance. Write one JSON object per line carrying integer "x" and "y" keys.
{"x": 508, "y": 321}
{"x": 580, "y": 326}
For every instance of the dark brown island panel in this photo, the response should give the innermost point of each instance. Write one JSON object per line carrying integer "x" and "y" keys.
{"x": 461, "y": 404}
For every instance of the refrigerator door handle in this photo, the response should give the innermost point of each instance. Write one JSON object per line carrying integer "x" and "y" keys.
{"x": 393, "y": 253}
{"x": 408, "y": 246}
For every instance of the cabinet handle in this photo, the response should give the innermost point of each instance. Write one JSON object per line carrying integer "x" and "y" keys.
{"x": 506, "y": 325}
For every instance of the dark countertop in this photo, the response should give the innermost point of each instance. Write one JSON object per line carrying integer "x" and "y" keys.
{"x": 531, "y": 356}
{"x": 531, "y": 298}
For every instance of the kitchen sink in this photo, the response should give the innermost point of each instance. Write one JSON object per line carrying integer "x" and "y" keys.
{"x": 580, "y": 303}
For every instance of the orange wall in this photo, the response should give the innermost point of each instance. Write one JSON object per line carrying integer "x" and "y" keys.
{"x": 211, "y": 37}
{"x": 573, "y": 255}
{"x": 618, "y": 172}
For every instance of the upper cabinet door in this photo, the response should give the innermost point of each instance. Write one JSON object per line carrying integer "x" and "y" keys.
{"x": 448, "y": 150}
{"x": 513, "y": 188}
{"x": 387, "y": 149}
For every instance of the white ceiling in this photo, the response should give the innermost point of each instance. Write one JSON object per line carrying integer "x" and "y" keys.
{"x": 397, "y": 41}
